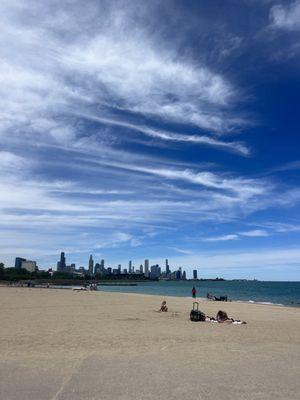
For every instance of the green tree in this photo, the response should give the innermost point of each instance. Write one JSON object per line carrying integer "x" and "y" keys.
{"x": 1, "y": 270}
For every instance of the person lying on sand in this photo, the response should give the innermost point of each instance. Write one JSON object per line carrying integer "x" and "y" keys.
{"x": 222, "y": 317}
{"x": 163, "y": 307}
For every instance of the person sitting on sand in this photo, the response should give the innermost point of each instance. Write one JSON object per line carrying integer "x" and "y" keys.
{"x": 163, "y": 307}
{"x": 222, "y": 317}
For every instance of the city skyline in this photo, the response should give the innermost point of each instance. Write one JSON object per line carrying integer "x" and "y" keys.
{"x": 162, "y": 129}
{"x": 165, "y": 268}
{"x": 95, "y": 269}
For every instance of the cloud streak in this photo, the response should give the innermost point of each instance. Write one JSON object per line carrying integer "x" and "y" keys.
{"x": 172, "y": 136}
{"x": 223, "y": 238}
{"x": 286, "y": 17}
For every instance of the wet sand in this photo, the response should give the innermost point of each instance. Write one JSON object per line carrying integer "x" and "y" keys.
{"x": 60, "y": 344}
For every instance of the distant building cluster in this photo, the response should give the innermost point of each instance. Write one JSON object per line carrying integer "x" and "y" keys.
{"x": 144, "y": 270}
{"x": 99, "y": 269}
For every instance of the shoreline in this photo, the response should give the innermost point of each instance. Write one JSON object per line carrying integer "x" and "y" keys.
{"x": 205, "y": 300}
{"x": 200, "y": 299}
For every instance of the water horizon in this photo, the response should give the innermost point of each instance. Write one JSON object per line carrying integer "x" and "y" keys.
{"x": 285, "y": 293}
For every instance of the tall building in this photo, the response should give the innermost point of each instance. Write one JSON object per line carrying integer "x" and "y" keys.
{"x": 179, "y": 273}
{"x": 141, "y": 269}
{"x": 18, "y": 262}
{"x": 68, "y": 268}
{"x": 130, "y": 267}
{"x": 146, "y": 268}
{"x": 195, "y": 274}
{"x": 102, "y": 268}
{"x": 91, "y": 265}
{"x": 155, "y": 271}
{"x": 29, "y": 265}
{"x": 61, "y": 265}
{"x": 97, "y": 268}
{"x": 167, "y": 267}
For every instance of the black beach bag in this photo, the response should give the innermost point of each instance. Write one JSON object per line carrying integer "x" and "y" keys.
{"x": 195, "y": 314}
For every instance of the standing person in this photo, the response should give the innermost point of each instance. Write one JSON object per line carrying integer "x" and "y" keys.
{"x": 194, "y": 292}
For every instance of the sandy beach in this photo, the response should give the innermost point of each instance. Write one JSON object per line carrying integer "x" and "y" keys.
{"x": 60, "y": 344}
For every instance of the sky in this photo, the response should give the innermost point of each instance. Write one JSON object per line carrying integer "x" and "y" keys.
{"x": 136, "y": 130}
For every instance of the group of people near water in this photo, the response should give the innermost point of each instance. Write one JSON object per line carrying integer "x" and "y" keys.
{"x": 221, "y": 316}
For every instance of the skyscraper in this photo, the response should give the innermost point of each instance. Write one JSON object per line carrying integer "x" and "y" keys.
{"x": 146, "y": 264}
{"x": 167, "y": 267}
{"x": 18, "y": 262}
{"x": 179, "y": 273}
{"x": 102, "y": 268}
{"x": 195, "y": 274}
{"x": 97, "y": 268}
{"x": 155, "y": 271}
{"x": 130, "y": 267}
{"x": 61, "y": 265}
{"x": 91, "y": 265}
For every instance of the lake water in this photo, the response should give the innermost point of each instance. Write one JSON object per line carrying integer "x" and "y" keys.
{"x": 285, "y": 293}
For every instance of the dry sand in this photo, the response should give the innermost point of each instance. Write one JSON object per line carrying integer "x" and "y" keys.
{"x": 60, "y": 344}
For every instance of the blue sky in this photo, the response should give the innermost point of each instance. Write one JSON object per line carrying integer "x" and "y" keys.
{"x": 136, "y": 129}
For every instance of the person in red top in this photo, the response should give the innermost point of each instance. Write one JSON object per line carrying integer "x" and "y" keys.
{"x": 194, "y": 292}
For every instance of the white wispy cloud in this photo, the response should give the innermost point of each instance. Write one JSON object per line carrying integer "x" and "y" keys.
{"x": 10, "y": 162}
{"x": 236, "y": 236}
{"x": 182, "y": 251}
{"x": 148, "y": 80}
{"x": 281, "y": 227}
{"x": 47, "y": 76}
{"x": 172, "y": 136}
{"x": 286, "y": 16}
{"x": 255, "y": 233}
{"x": 290, "y": 166}
{"x": 244, "y": 187}
{"x": 271, "y": 229}
{"x": 115, "y": 239}
{"x": 223, "y": 238}
{"x": 77, "y": 85}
